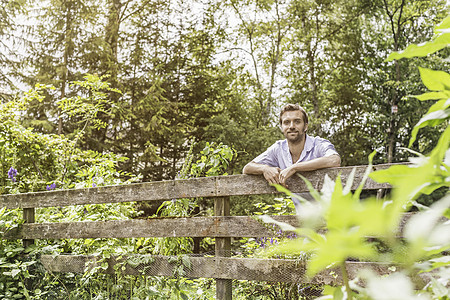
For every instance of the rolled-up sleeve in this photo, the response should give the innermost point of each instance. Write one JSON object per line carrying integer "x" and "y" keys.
{"x": 324, "y": 148}
{"x": 268, "y": 157}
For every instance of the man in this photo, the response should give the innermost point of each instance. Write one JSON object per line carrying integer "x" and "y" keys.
{"x": 298, "y": 152}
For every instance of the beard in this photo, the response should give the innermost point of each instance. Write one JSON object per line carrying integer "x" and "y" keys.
{"x": 295, "y": 139}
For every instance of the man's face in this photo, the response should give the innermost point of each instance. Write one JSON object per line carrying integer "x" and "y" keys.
{"x": 293, "y": 126}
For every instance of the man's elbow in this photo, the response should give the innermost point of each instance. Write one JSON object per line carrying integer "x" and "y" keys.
{"x": 246, "y": 169}
{"x": 335, "y": 161}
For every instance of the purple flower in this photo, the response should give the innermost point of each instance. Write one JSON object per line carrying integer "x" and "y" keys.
{"x": 262, "y": 242}
{"x": 94, "y": 185}
{"x": 51, "y": 187}
{"x": 12, "y": 173}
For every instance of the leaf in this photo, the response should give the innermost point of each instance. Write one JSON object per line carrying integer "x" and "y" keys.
{"x": 376, "y": 218}
{"x": 327, "y": 190}
{"x": 439, "y": 289}
{"x": 430, "y": 119}
{"x": 440, "y": 262}
{"x": 349, "y": 183}
{"x": 445, "y": 24}
{"x": 417, "y": 178}
{"x": 433, "y": 95}
{"x": 336, "y": 248}
{"x": 422, "y": 225}
{"x": 358, "y": 191}
{"x": 435, "y": 80}
{"x": 406, "y": 179}
{"x": 439, "y": 105}
{"x": 282, "y": 189}
{"x": 340, "y": 213}
{"x": 440, "y": 41}
{"x": 395, "y": 286}
{"x": 186, "y": 261}
{"x": 311, "y": 189}
{"x": 439, "y": 152}
{"x": 283, "y": 226}
{"x": 332, "y": 293}
{"x": 293, "y": 247}
{"x": 14, "y": 272}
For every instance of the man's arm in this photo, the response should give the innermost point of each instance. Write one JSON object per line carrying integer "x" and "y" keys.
{"x": 271, "y": 174}
{"x": 331, "y": 161}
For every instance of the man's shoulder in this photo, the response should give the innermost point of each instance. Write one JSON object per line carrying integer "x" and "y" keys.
{"x": 278, "y": 147}
{"x": 279, "y": 144}
{"x": 322, "y": 146}
{"x": 317, "y": 140}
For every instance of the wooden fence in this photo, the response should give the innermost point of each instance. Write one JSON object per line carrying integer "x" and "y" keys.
{"x": 221, "y": 226}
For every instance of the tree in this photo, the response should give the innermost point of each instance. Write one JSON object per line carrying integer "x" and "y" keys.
{"x": 57, "y": 56}
{"x": 402, "y": 19}
{"x": 9, "y": 39}
{"x": 263, "y": 29}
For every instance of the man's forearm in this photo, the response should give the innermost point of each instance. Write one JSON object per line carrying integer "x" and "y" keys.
{"x": 253, "y": 168}
{"x": 271, "y": 174}
{"x": 331, "y": 161}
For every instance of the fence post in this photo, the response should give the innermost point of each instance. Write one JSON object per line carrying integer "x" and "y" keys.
{"x": 29, "y": 217}
{"x": 196, "y": 240}
{"x": 223, "y": 248}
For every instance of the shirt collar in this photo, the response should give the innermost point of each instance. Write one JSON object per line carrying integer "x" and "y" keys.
{"x": 309, "y": 143}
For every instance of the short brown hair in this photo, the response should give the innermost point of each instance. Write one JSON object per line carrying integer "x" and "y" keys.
{"x": 294, "y": 107}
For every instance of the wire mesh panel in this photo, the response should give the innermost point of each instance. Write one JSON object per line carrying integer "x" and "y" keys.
{"x": 193, "y": 266}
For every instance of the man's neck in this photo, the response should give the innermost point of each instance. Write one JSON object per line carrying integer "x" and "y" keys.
{"x": 296, "y": 149}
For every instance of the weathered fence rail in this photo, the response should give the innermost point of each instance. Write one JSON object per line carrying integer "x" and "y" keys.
{"x": 221, "y": 226}
{"x": 220, "y": 186}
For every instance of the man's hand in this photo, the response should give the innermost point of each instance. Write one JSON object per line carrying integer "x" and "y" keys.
{"x": 285, "y": 174}
{"x": 310, "y": 165}
{"x": 272, "y": 174}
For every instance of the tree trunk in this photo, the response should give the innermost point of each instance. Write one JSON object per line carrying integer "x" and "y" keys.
{"x": 396, "y": 31}
{"x": 312, "y": 80}
{"x": 65, "y": 68}
{"x": 112, "y": 38}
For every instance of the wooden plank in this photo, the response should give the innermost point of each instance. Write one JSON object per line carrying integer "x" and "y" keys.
{"x": 234, "y": 185}
{"x": 272, "y": 270}
{"x": 222, "y": 245}
{"x": 254, "y": 185}
{"x": 29, "y": 217}
{"x": 230, "y": 226}
{"x": 222, "y": 210}
{"x": 221, "y": 227}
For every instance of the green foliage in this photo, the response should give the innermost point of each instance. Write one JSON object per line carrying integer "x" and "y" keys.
{"x": 440, "y": 40}
{"x": 39, "y": 161}
{"x": 87, "y": 108}
{"x": 214, "y": 160}
{"x": 281, "y": 206}
{"x": 189, "y": 77}
{"x": 44, "y": 159}
{"x": 349, "y": 221}
{"x": 427, "y": 173}
{"x": 439, "y": 83}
